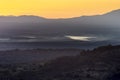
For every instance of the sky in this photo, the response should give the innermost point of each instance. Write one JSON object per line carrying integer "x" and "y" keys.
{"x": 57, "y": 8}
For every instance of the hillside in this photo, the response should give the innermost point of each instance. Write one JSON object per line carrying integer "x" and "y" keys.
{"x": 102, "y": 63}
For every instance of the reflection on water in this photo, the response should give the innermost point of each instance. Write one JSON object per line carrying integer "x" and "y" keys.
{"x": 82, "y": 38}
{"x": 33, "y": 42}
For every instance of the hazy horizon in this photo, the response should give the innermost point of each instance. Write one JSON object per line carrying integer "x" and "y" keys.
{"x": 73, "y": 32}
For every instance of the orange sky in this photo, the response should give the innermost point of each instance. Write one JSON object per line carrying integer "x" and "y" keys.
{"x": 57, "y": 8}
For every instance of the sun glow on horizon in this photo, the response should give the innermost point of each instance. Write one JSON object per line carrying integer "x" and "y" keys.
{"x": 57, "y": 8}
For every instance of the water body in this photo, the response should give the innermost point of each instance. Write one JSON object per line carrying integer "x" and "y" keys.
{"x": 53, "y": 45}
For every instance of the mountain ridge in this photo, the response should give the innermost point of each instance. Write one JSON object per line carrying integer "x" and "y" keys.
{"x": 113, "y": 11}
{"x": 100, "y": 26}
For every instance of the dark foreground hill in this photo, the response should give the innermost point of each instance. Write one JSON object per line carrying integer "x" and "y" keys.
{"x": 102, "y": 63}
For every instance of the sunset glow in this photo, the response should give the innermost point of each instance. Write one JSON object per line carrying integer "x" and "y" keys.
{"x": 57, "y": 8}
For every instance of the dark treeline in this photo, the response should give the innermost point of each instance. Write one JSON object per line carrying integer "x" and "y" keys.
{"x": 102, "y": 63}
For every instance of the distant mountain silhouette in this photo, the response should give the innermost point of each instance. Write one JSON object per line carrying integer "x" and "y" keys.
{"x": 114, "y": 13}
{"x": 101, "y": 26}
{"x": 22, "y": 18}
